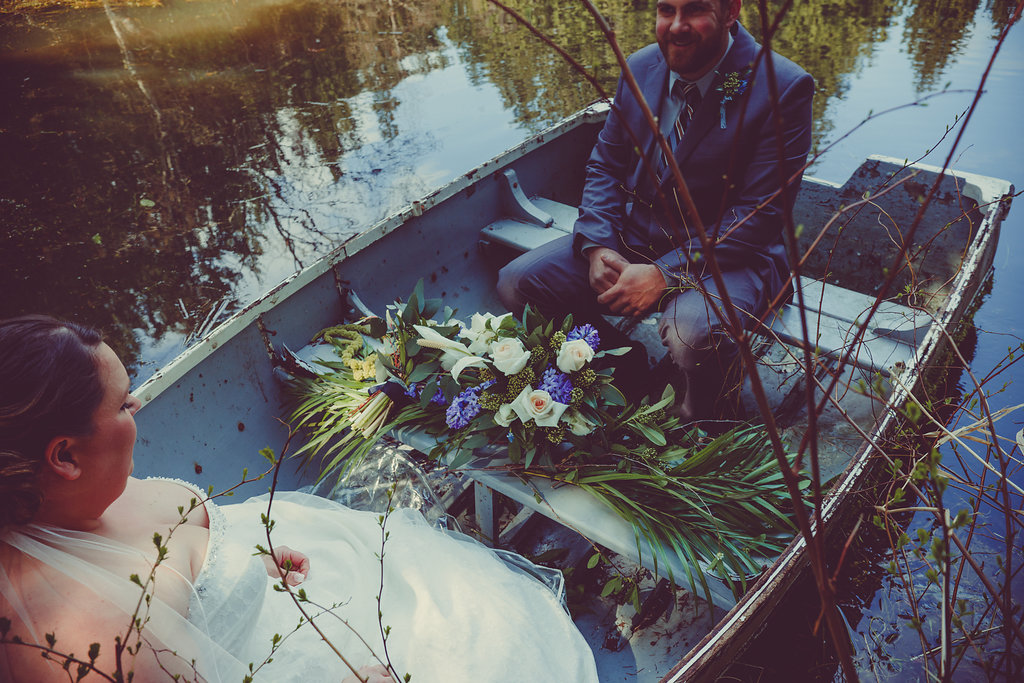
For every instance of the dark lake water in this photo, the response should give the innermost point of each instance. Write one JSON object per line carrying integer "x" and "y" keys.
{"x": 161, "y": 164}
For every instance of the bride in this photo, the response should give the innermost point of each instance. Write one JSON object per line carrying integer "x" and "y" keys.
{"x": 102, "y": 574}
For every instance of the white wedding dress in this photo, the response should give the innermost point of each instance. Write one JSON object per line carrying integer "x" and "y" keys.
{"x": 455, "y": 611}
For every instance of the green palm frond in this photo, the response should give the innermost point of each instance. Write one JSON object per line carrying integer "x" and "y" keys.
{"x": 720, "y": 508}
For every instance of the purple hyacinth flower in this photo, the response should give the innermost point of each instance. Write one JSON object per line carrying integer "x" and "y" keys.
{"x": 463, "y": 409}
{"x": 415, "y": 390}
{"x": 557, "y": 384}
{"x": 587, "y": 333}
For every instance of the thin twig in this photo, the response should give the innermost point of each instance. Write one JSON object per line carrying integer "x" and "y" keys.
{"x": 282, "y": 572}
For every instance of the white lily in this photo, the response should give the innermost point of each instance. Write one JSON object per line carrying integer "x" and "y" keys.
{"x": 482, "y": 331}
{"x": 449, "y": 358}
{"x": 466, "y": 362}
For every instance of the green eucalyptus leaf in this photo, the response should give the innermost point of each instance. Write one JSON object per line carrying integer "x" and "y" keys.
{"x": 417, "y": 295}
{"x": 377, "y": 327}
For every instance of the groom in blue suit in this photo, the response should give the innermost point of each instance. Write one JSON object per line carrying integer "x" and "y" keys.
{"x": 634, "y": 248}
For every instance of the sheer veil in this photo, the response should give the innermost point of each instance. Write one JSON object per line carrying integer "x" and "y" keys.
{"x": 48, "y": 571}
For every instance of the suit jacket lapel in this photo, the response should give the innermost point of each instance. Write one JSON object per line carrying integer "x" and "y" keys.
{"x": 703, "y": 118}
{"x": 654, "y": 86}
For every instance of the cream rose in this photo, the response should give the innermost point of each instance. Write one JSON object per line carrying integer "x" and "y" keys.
{"x": 537, "y": 405}
{"x": 509, "y": 355}
{"x": 574, "y": 355}
{"x": 505, "y": 415}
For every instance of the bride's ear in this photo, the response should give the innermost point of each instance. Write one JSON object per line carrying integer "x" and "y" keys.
{"x": 60, "y": 458}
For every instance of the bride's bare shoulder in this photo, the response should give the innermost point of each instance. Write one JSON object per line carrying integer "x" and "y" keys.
{"x": 165, "y": 497}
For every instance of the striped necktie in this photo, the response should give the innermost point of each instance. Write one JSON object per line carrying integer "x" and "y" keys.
{"x": 691, "y": 98}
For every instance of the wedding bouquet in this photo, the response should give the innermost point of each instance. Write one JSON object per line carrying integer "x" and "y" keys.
{"x": 528, "y": 385}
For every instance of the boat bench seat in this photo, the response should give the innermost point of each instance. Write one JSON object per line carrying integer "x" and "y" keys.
{"x": 833, "y": 312}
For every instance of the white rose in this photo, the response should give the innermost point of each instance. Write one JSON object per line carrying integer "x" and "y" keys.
{"x": 537, "y": 405}
{"x": 574, "y": 355}
{"x": 505, "y": 415}
{"x": 578, "y": 425}
{"x": 509, "y": 355}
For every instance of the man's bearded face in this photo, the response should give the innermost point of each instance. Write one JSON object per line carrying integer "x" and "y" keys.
{"x": 693, "y": 34}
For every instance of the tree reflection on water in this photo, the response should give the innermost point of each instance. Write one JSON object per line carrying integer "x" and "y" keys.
{"x": 167, "y": 163}
{"x": 160, "y": 157}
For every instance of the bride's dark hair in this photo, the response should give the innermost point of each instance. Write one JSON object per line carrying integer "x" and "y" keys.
{"x": 49, "y": 386}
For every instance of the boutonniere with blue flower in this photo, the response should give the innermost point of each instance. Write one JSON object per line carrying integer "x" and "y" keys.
{"x": 734, "y": 85}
